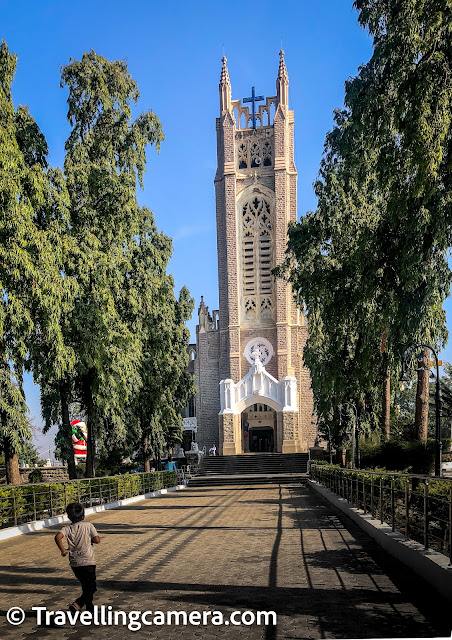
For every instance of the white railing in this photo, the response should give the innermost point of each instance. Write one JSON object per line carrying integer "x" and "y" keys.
{"x": 259, "y": 386}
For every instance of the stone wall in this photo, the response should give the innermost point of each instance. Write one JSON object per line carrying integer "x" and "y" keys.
{"x": 307, "y": 422}
{"x": 49, "y": 474}
{"x": 207, "y": 401}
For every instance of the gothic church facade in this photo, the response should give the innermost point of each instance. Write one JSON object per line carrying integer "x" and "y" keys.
{"x": 254, "y": 392}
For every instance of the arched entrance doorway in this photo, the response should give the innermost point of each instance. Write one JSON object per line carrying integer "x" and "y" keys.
{"x": 258, "y": 429}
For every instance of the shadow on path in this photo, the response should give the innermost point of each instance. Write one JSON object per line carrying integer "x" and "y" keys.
{"x": 337, "y": 606}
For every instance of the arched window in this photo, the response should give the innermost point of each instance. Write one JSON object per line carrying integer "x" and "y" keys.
{"x": 267, "y": 154}
{"x": 257, "y": 258}
{"x": 243, "y": 155}
{"x": 255, "y": 155}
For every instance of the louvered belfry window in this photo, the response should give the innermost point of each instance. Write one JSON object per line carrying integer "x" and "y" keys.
{"x": 257, "y": 280}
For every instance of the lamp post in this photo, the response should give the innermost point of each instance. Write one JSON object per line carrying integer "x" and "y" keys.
{"x": 404, "y": 377}
{"x": 355, "y": 435}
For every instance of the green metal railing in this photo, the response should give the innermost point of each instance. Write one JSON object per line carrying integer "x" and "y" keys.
{"x": 20, "y": 504}
{"x": 419, "y": 507}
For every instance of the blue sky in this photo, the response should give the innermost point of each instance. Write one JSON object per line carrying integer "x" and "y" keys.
{"x": 174, "y": 53}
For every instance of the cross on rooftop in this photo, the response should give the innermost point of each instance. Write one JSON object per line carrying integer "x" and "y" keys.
{"x": 254, "y": 98}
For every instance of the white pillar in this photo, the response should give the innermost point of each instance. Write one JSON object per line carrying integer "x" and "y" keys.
{"x": 227, "y": 396}
{"x": 290, "y": 393}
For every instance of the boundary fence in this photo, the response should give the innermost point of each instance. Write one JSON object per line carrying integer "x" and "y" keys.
{"x": 419, "y": 507}
{"x": 24, "y": 503}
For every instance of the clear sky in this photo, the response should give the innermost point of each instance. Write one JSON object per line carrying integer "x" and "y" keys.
{"x": 174, "y": 51}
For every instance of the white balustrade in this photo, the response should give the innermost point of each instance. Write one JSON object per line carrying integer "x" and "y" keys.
{"x": 259, "y": 385}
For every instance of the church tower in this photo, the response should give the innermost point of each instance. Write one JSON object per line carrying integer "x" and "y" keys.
{"x": 252, "y": 347}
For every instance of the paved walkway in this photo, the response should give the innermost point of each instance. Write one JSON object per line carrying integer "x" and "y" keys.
{"x": 265, "y": 547}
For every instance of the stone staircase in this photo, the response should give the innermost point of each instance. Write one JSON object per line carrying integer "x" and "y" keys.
{"x": 255, "y": 468}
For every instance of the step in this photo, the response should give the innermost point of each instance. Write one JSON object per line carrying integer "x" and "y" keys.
{"x": 259, "y": 463}
{"x": 247, "y": 480}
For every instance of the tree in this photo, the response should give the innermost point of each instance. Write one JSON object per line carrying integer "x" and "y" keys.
{"x": 401, "y": 102}
{"x": 446, "y": 404}
{"x": 29, "y": 454}
{"x": 154, "y": 414}
{"x": 370, "y": 264}
{"x": 51, "y": 354}
{"x": 50, "y": 357}
{"x": 29, "y": 275}
{"x": 104, "y": 161}
{"x": 167, "y": 385}
{"x": 337, "y": 271}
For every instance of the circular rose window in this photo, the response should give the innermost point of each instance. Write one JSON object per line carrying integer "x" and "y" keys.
{"x": 258, "y": 350}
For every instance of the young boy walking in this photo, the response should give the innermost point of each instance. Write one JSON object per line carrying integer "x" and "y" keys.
{"x": 80, "y": 537}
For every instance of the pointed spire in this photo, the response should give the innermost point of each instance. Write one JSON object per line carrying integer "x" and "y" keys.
{"x": 203, "y": 316}
{"x": 282, "y": 72}
{"x": 225, "y": 87}
{"x": 282, "y": 81}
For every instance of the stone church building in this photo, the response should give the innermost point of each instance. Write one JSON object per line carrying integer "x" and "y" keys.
{"x": 254, "y": 393}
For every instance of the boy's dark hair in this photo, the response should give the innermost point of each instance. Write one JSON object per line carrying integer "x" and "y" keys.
{"x": 75, "y": 512}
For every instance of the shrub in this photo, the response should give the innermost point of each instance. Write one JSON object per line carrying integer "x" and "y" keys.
{"x": 410, "y": 457}
{"x": 36, "y": 476}
{"x": 24, "y": 503}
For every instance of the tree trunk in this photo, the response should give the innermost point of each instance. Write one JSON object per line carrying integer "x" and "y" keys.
{"x": 146, "y": 460}
{"x": 89, "y": 406}
{"x": 386, "y": 399}
{"x": 343, "y": 462}
{"x": 422, "y": 398}
{"x": 67, "y": 432}
{"x": 11, "y": 463}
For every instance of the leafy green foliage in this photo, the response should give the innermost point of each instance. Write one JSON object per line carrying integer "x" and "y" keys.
{"x": 407, "y": 457}
{"x": 29, "y": 454}
{"x": 105, "y": 160}
{"x": 167, "y": 386}
{"x": 370, "y": 263}
{"x": 446, "y": 405}
{"x": 30, "y": 278}
{"x": 402, "y": 415}
{"x": 87, "y": 304}
{"x": 416, "y": 506}
{"x": 37, "y": 502}
{"x": 35, "y": 476}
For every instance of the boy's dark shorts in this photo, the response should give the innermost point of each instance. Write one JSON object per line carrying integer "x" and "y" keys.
{"x": 87, "y": 578}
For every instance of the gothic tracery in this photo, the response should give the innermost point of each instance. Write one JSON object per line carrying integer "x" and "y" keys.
{"x": 257, "y": 257}
{"x": 253, "y": 152}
